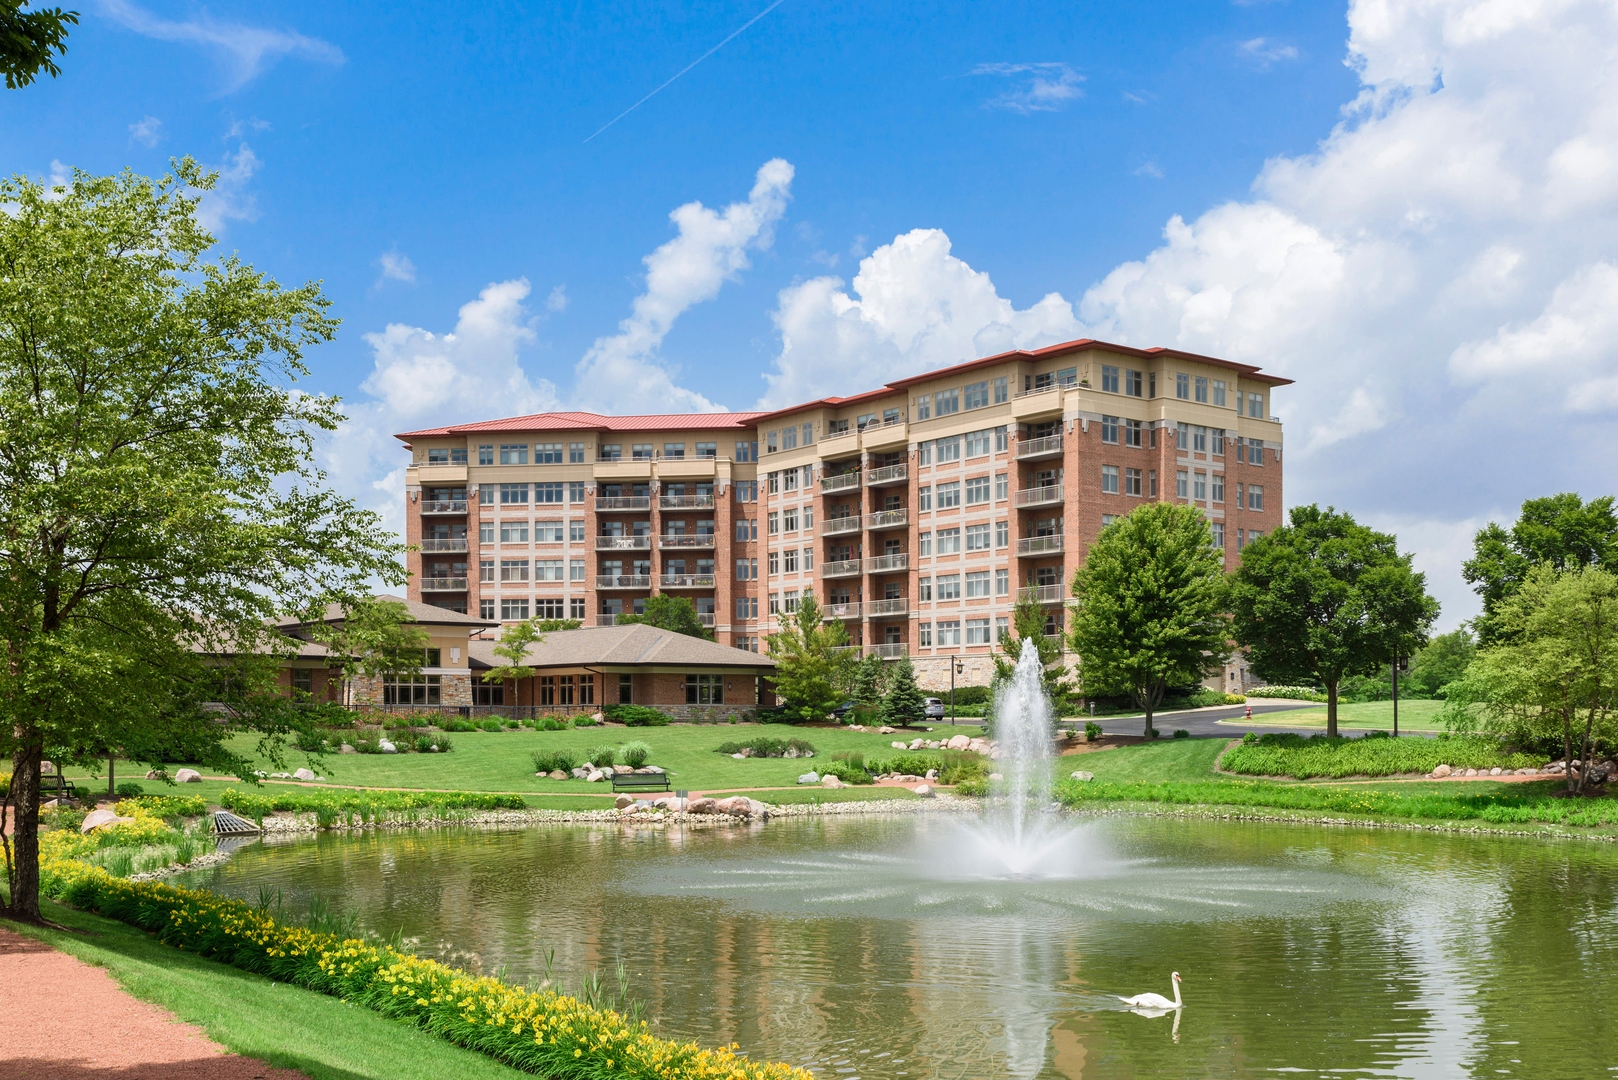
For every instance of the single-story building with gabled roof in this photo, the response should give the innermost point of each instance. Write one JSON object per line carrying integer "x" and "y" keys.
{"x": 596, "y": 666}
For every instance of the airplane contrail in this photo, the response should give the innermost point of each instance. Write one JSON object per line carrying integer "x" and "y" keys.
{"x": 688, "y": 67}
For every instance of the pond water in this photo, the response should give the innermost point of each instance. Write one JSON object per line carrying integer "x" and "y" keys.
{"x": 874, "y": 948}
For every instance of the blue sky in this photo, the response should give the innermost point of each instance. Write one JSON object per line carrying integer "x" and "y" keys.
{"x": 1409, "y": 206}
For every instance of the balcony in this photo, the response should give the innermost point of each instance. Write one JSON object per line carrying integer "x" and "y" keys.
{"x": 841, "y": 433}
{"x": 884, "y": 564}
{"x": 840, "y": 568}
{"x": 842, "y": 611}
{"x": 1041, "y": 594}
{"x": 606, "y": 620}
{"x": 624, "y": 581}
{"x": 1039, "y": 545}
{"x": 1030, "y": 449}
{"x": 443, "y": 584}
{"x": 443, "y": 506}
{"x": 623, "y": 543}
{"x": 1048, "y": 495}
{"x": 887, "y": 519}
{"x": 899, "y": 605}
{"x": 686, "y": 581}
{"x": 838, "y": 526}
{"x": 443, "y": 545}
{"x": 685, "y": 502}
{"x": 842, "y": 482}
{"x": 893, "y": 650}
{"x": 685, "y": 540}
{"x": 888, "y": 474}
{"x": 624, "y": 502}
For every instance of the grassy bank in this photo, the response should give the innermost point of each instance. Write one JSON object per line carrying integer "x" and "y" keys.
{"x": 288, "y": 1027}
{"x": 1300, "y": 757}
{"x": 1416, "y": 715}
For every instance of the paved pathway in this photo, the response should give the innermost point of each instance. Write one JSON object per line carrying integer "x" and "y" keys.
{"x": 68, "y": 1020}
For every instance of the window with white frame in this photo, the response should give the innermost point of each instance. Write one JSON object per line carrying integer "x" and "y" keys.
{"x": 789, "y": 561}
{"x": 513, "y": 569}
{"x": 1132, "y": 433}
{"x": 486, "y": 457}
{"x": 773, "y": 562}
{"x": 547, "y": 569}
{"x": 575, "y": 531}
{"x": 1002, "y": 391}
{"x": 1002, "y": 581}
{"x": 1182, "y": 436}
{"x": 486, "y": 570}
{"x": 548, "y": 453}
{"x": 1000, "y": 486}
{"x": 977, "y": 443}
{"x": 1002, "y": 439}
{"x": 977, "y": 537}
{"x": 548, "y": 532}
{"x": 514, "y": 532}
{"x": 924, "y": 588}
{"x": 924, "y": 544}
{"x": 1131, "y": 481}
{"x": 1255, "y": 452}
{"x": 924, "y": 454}
{"x": 977, "y": 584}
{"x": 1218, "y": 528}
{"x": 975, "y": 395}
{"x": 1109, "y": 378}
{"x": 924, "y": 497}
{"x": 1109, "y": 429}
{"x": 948, "y": 633}
{"x": 948, "y": 495}
{"x": 789, "y": 601}
{"x": 513, "y": 608}
{"x": 946, "y": 402}
{"x": 513, "y": 453}
{"x": 575, "y": 569}
{"x": 1182, "y": 484}
{"x": 949, "y": 541}
{"x": 1219, "y": 396}
{"x": 485, "y": 532}
{"x": 1109, "y": 479}
{"x": 1202, "y": 389}
{"x": 514, "y": 494}
{"x": 977, "y": 632}
{"x": 1002, "y": 534}
{"x": 1182, "y": 387}
{"x": 977, "y": 490}
{"x": 789, "y": 519}
{"x": 924, "y": 635}
{"x": 808, "y": 559}
{"x": 949, "y": 449}
{"x": 549, "y": 493}
{"x": 1132, "y": 383}
{"x": 1199, "y": 486}
{"x": 1255, "y": 497}
{"x": 1218, "y": 487}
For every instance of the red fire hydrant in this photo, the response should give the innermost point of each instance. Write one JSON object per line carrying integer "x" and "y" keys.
{"x": 1248, "y": 713}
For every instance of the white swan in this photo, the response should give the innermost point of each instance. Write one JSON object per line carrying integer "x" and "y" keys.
{"x": 1156, "y": 1001}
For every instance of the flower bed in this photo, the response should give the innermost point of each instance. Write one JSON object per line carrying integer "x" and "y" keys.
{"x": 539, "y": 1031}
{"x": 1287, "y": 754}
{"x": 366, "y": 805}
{"x": 1292, "y": 693}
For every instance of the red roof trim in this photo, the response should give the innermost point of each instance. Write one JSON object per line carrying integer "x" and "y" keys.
{"x": 585, "y": 421}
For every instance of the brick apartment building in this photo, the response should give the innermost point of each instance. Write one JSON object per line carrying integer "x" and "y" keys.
{"x": 917, "y": 512}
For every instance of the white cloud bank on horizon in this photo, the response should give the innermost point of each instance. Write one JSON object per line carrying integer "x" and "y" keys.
{"x": 1440, "y": 275}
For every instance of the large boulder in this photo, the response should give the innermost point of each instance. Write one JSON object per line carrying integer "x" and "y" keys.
{"x": 1440, "y": 771}
{"x": 386, "y": 746}
{"x": 924, "y": 790}
{"x": 831, "y": 782}
{"x": 623, "y": 801}
{"x": 702, "y": 806}
{"x": 100, "y": 819}
{"x": 760, "y": 810}
{"x": 300, "y": 774}
{"x": 191, "y": 776}
{"x": 672, "y": 803}
{"x": 622, "y": 770}
{"x": 810, "y": 777}
{"x": 47, "y": 768}
{"x": 595, "y": 776}
{"x": 1081, "y": 775}
{"x": 958, "y": 742}
{"x": 557, "y": 774}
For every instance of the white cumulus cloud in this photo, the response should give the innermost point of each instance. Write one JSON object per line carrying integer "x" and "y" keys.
{"x": 1042, "y": 87}
{"x": 395, "y": 267}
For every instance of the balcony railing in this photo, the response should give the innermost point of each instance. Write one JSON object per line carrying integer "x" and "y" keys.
{"x": 624, "y": 543}
{"x": 624, "y": 502}
{"x": 443, "y": 506}
{"x": 686, "y": 581}
{"x": 888, "y": 474}
{"x": 443, "y": 584}
{"x": 883, "y": 564}
{"x": 841, "y": 482}
{"x": 1039, "y": 545}
{"x": 685, "y": 540}
{"x": 840, "y": 433}
{"x": 840, "y": 525}
{"x": 624, "y": 581}
{"x": 705, "y": 618}
{"x": 887, "y": 519}
{"x": 840, "y": 568}
{"x": 1041, "y": 594}
{"x": 842, "y": 611}
{"x": 1049, "y": 446}
{"x": 1047, "y": 495}
{"x": 899, "y": 605}
{"x": 1053, "y": 385}
{"x": 895, "y": 650}
{"x": 443, "y": 545}
{"x": 685, "y": 502}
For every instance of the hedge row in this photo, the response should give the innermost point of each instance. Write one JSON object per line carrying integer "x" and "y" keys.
{"x": 1288, "y": 754}
{"x": 540, "y": 1032}
{"x": 367, "y": 804}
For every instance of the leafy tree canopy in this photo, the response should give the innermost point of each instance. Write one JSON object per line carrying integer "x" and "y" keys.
{"x": 1151, "y": 606}
{"x": 813, "y": 667}
{"x": 30, "y": 41}
{"x": 373, "y": 636}
{"x": 159, "y": 509}
{"x": 671, "y": 612}
{"x": 1029, "y": 623}
{"x": 1325, "y": 597}
{"x": 1562, "y": 530}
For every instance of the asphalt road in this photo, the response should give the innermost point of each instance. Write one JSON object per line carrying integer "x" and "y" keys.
{"x": 1207, "y": 722}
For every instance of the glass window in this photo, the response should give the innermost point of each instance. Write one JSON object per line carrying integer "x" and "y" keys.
{"x": 948, "y": 586}
{"x": 949, "y": 449}
{"x": 924, "y": 407}
{"x": 1002, "y": 533}
{"x": 924, "y": 454}
{"x": 946, "y": 402}
{"x": 924, "y": 497}
{"x": 924, "y": 543}
{"x": 789, "y": 519}
{"x": 575, "y": 531}
{"x": 890, "y": 416}
{"x": 1255, "y": 497}
{"x": 977, "y": 584}
{"x": 949, "y": 495}
{"x": 548, "y": 570}
{"x": 486, "y": 570}
{"x": 773, "y": 522}
{"x": 1182, "y": 386}
{"x": 747, "y": 451}
{"x": 1109, "y": 378}
{"x": 486, "y": 454}
{"x": 514, "y": 532}
{"x": 1182, "y": 436}
{"x": 435, "y": 456}
{"x": 949, "y": 541}
{"x": 772, "y": 441}
{"x": 1151, "y": 483}
{"x": 746, "y": 490}
{"x": 514, "y": 493}
{"x": 1002, "y": 438}
{"x": 977, "y": 490}
{"x": 977, "y": 537}
{"x": 549, "y": 493}
{"x": 1199, "y": 486}
{"x": 977, "y": 631}
{"x": 924, "y": 634}
{"x": 925, "y": 588}
{"x": 1002, "y": 582}
{"x": 1218, "y": 487}
{"x": 1002, "y": 391}
{"x": 411, "y": 690}
{"x": 1219, "y": 397}
{"x": 1218, "y": 438}
{"x": 1132, "y": 430}
{"x": 513, "y": 608}
{"x": 1109, "y": 479}
{"x": 1132, "y": 383}
{"x": 548, "y": 453}
{"x": 704, "y": 689}
{"x": 1202, "y": 388}
{"x": 485, "y": 610}
{"x": 808, "y": 434}
{"x": 513, "y": 569}
{"x": 977, "y": 443}
{"x": 707, "y": 450}
{"x": 1131, "y": 481}
{"x": 575, "y": 453}
{"x": 1255, "y": 452}
{"x": 789, "y": 438}
{"x": 789, "y": 561}
{"x": 1109, "y": 429}
{"x": 977, "y": 395}
{"x": 949, "y": 633}
{"x": 1182, "y": 482}
{"x": 1000, "y": 485}
{"x": 808, "y": 559}
{"x": 486, "y": 532}
{"x": 674, "y": 450}
{"x": 513, "y": 453}
{"x": 610, "y": 452}
{"x": 1199, "y": 439}
{"x": 641, "y": 451}
{"x": 575, "y": 570}
{"x": 1255, "y": 406}
{"x": 1218, "y": 528}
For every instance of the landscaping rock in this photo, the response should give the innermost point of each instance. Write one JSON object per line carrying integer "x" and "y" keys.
{"x": 672, "y": 803}
{"x": 958, "y": 742}
{"x": 1081, "y": 775}
{"x": 979, "y": 746}
{"x": 1441, "y": 771}
{"x": 595, "y": 777}
{"x": 924, "y": 790}
{"x": 996, "y": 776}
{"x": 897, "y": 745}
{"x": 1496, "y": 771}
{"x": 831, "y": 782}
{"x": 557, "y": 774}
{"x": 810, "y": 777}
{"x": 622, "y": 770}
{"x": 916, "y": 744}
{"x": 581, "y": 773}
{"x": 792, "y": 751}
{"x": 298, "y": 774}
{"x": 346, "y": 749}
{"x": 932, "y": 774}
{"x": 739, "y": 757}
{"x": 99, "y": 819}
{"x": 47, "y": 768}
{"x": 386, "y": 746}
{"x": 623, "y": 801}
{"x": 1471, "y": 772}
{"x": 654, "y": 769}
{"x": 153, "y": 774}
{"x": 191, "y": 776}
{"x": 884, "y": 731}
{"x": 703, "y": 806}
{"x": 760, "y": 810}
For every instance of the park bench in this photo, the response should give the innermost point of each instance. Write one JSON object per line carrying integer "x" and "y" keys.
{"x": 55, "y": 785}
{"x": 631, "y": 781}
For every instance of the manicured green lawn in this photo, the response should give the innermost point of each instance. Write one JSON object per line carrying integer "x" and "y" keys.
{"x": 499, "y": 761}
{"x": 1417, "y": 715}
{"x": 1165, "y": 759}
{"x": 811, "y": 793}
{"x": 290, "y": 1028}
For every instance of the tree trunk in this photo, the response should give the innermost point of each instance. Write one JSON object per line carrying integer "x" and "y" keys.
{"x": 24, "y": 881}
{"x": 1567, "y": 752}
{"x": 1331, "y": 708}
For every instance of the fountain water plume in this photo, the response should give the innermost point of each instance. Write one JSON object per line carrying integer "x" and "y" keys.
{"x": 1022, "y": 720}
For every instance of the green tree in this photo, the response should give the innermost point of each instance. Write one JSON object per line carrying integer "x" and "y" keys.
{"x": 813, "y": 666}
{"x": 1151, "y": 606}
{"x": 868, "y": 680}
{"x": 1554, "y": 676}
{"x": 370, "y": 637}
{"x": 29, "y": 38}
{"x": 158, "y": 503}
{"x": 515, "y": 638}
{"x": 671, "y": 612}
{"x": 1325, "y": 597}
{"x": 904, "y": 703}
{"x": 1434, "y": 666}
{"x": 1562, "y": 530}
{"x": 1028, "y": 623}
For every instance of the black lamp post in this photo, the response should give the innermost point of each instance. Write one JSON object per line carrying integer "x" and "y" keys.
{"x": 956, "y": 667}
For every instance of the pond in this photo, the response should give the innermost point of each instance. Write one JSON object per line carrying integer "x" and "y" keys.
{"x": 871, "y": 947}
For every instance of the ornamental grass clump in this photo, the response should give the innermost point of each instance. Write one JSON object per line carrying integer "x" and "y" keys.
{"x": 543, "y": 1032}
{"x": 634, "y": 754}
{"x": 603, "y": 756}
{"x": 1303, "y": 757}
{"x": 553, "y": 761}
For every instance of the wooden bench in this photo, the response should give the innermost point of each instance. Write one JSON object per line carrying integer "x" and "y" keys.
{"x": 55, "y": 785}
{"x": 630, "y": 780}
